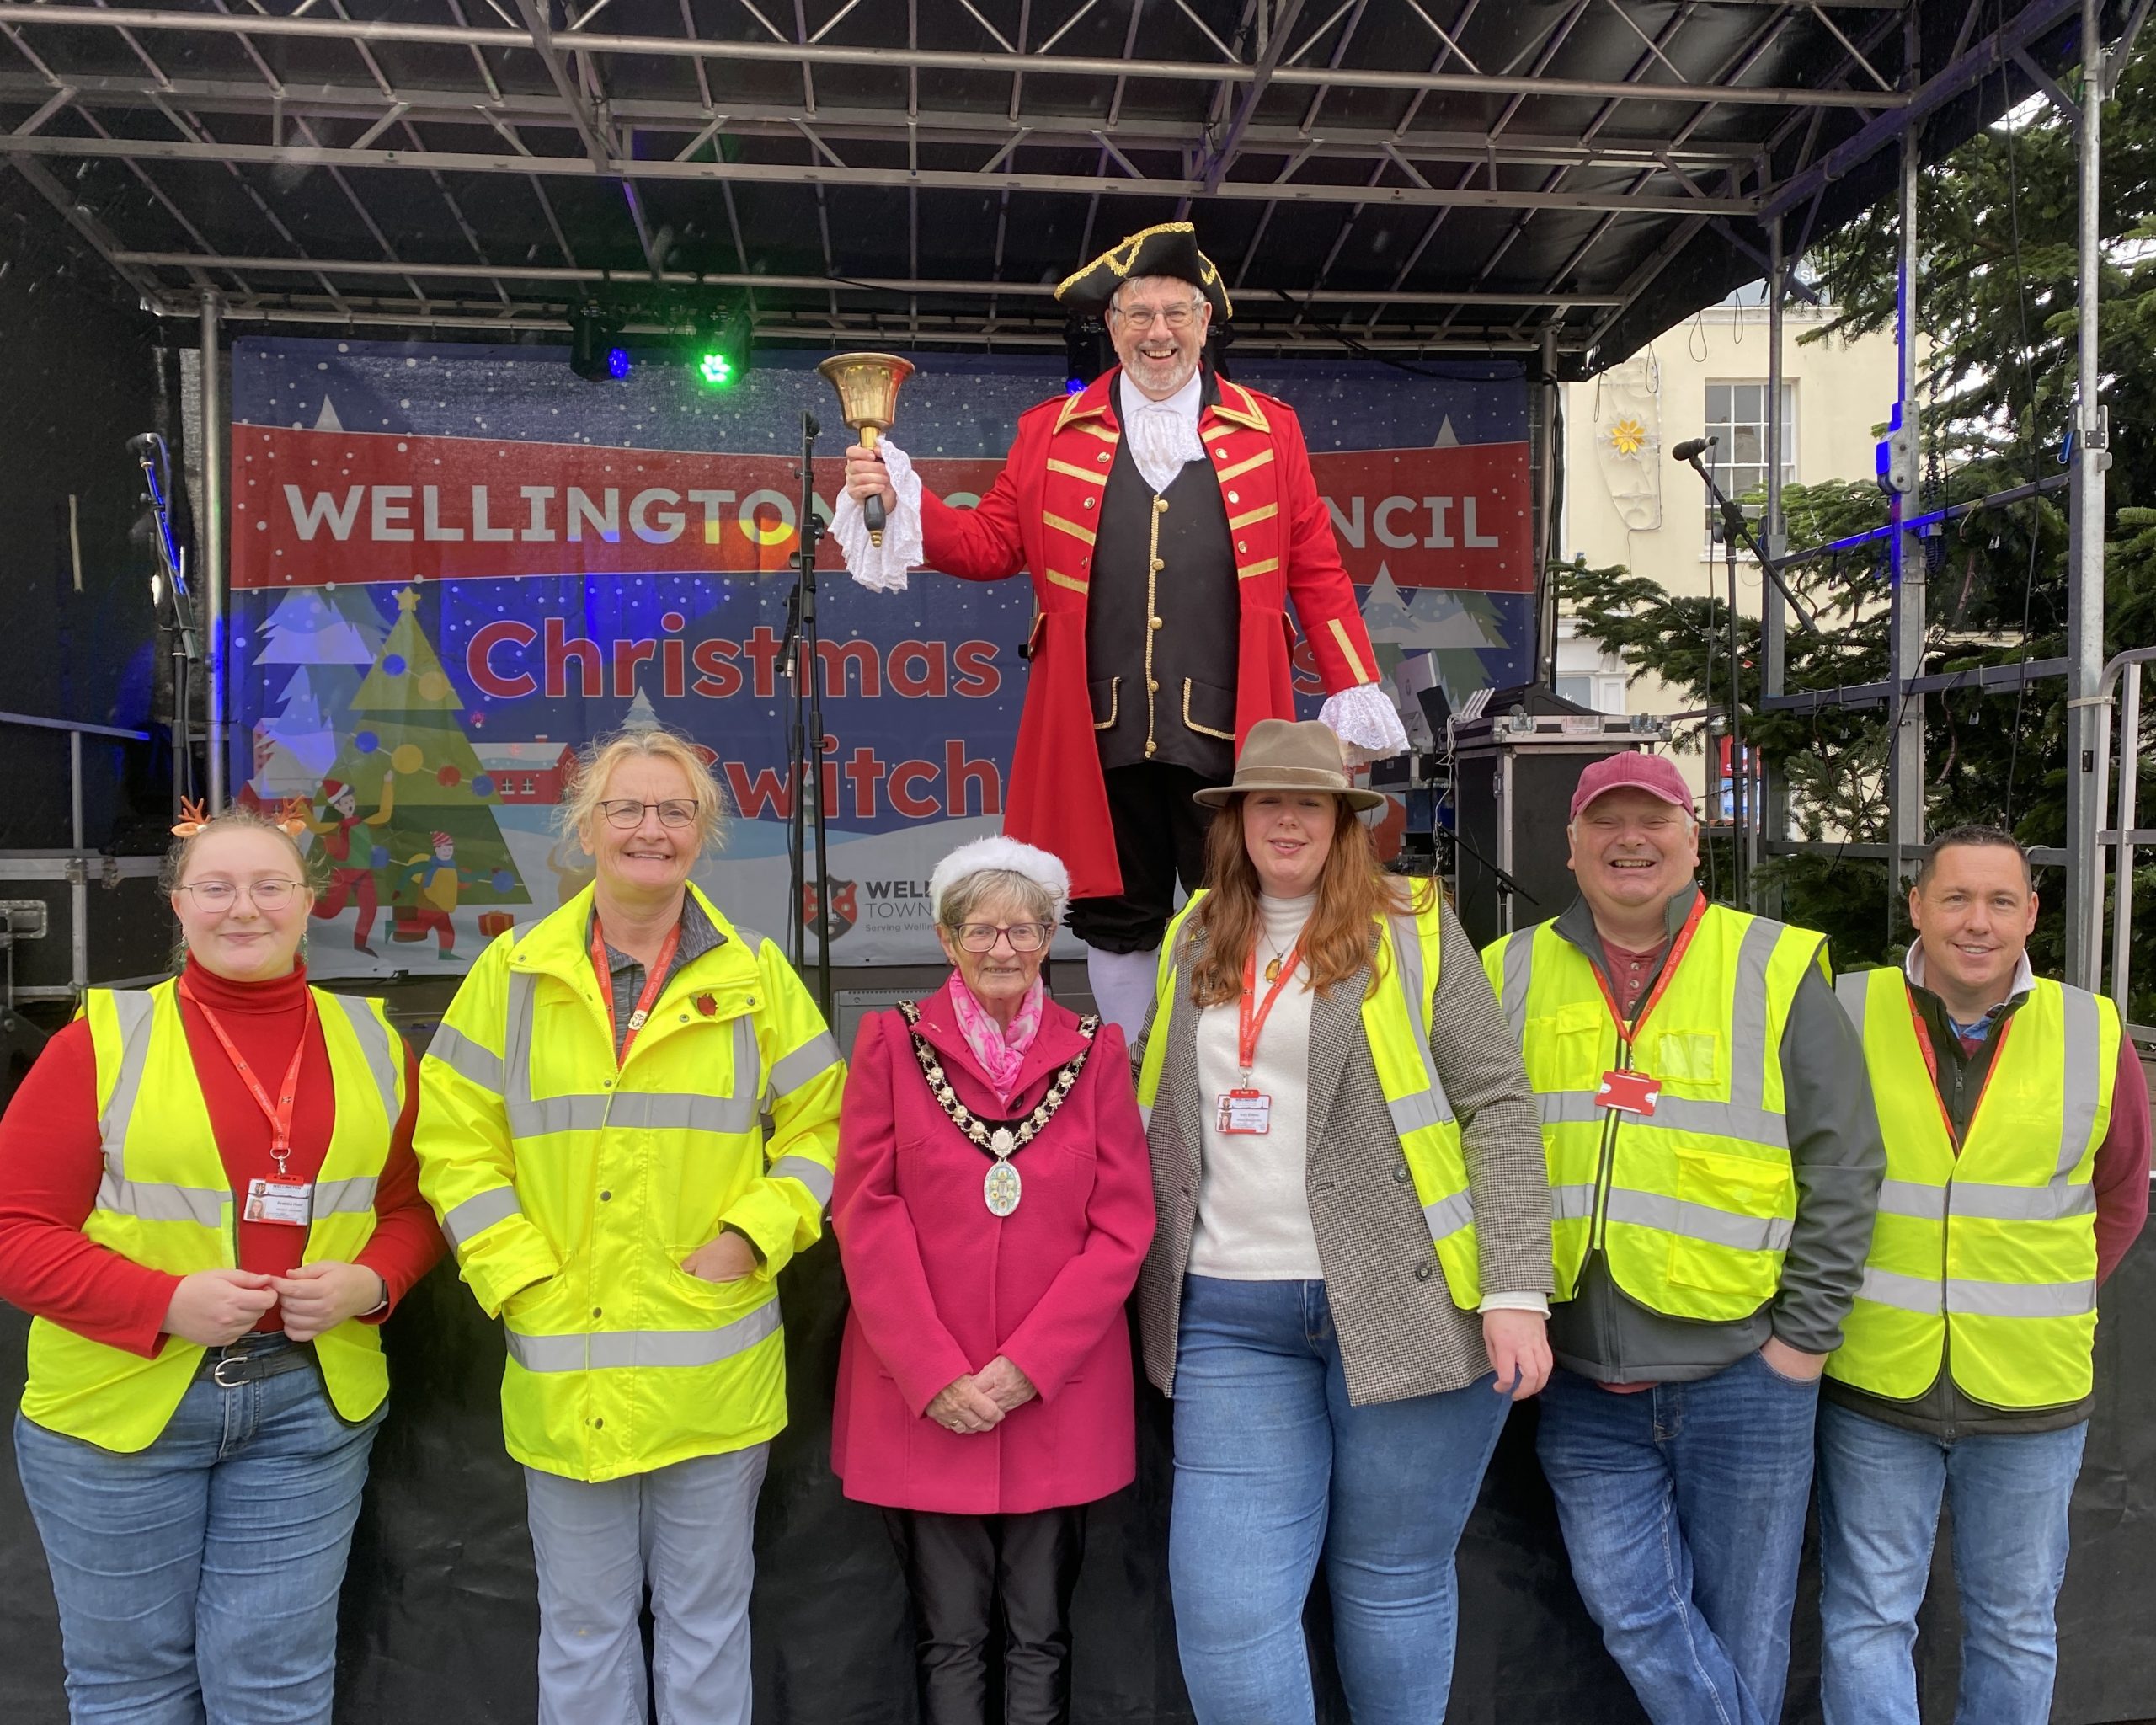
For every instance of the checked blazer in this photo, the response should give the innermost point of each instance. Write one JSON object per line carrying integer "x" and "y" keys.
{"x": 1400, "y": 1335}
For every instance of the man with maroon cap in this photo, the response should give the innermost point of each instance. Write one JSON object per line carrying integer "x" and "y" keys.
{"x": 1714, "y": 1171}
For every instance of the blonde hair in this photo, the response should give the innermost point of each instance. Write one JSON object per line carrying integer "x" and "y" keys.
{"x": 597, "y": 764}
{"x": 234, "y": 820}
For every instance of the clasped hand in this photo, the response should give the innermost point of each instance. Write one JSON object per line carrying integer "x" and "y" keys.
{"x": 866, "y": 477}
{"x": 215, "y": 1308}
{"x": 978, "y": 1402}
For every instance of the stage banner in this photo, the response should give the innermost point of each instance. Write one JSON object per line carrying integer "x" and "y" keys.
{"x": 453, "y": 566}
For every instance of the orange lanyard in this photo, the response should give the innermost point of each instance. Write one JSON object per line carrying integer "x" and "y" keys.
{"x": 1625, "y": 1033}
{"x": 1251, "y": 1013}
{"x": 278, "y": 1113}
{"x": 653, "y": 982}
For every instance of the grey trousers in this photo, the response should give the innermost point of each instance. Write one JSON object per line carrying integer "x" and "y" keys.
{"x": 687, "y": 1530}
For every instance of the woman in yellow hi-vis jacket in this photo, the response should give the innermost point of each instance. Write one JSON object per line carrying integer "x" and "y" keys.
{"x": 591, "y": 1134}
{"x": 208, "y": 1202}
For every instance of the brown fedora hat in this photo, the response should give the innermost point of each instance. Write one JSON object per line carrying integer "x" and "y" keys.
{"x": 1279, "y": 754}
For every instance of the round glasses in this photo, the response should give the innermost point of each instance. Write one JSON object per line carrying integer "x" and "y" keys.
{"x": 625, "y": 813}
{"x": 981, "y": 936}
{"x": 223, "y": 895}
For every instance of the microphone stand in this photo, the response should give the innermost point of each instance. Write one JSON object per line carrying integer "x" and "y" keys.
{"x": 801, "y": 651}
{"x": 1735, "y": 530}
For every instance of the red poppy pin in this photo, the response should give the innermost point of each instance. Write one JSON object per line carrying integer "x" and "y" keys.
{"x": 707, "y": 1005}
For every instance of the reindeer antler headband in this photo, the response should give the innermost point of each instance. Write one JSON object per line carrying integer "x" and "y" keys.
{"x": 291, "y": 818}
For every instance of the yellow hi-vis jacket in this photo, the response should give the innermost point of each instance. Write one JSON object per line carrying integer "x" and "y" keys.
{"x": 1693, "y": 1205}
{"x": 572, "y": 1188}
{"x": 1987, "y": 1260}
{"x": 164, "y": 1201}
{"x": 1396, "y": 1024}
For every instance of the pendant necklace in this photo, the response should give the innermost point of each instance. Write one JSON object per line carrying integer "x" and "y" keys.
{"x": 1001, "y": 1187}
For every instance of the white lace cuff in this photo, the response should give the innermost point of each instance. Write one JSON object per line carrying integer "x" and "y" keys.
{"x": 882, "y": 569}
{"x": 1363, "y": 718}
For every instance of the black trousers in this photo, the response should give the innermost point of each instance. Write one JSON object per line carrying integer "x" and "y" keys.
{"x": 1160, "y": 838}
{"x": 964, "y": 1573}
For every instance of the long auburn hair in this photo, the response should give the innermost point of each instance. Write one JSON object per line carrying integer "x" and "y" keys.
{"x": 1353, "y": 891}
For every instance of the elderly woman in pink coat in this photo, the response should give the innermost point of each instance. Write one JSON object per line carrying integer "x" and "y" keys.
{"x": 993, "y": 1205}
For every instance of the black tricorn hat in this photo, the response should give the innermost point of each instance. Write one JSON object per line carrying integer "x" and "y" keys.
{"x": 1168, "y": 248}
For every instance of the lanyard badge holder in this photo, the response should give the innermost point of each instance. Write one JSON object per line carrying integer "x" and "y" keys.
{"x": 282, "y": 1201}
{"x": 1623, "y": 1089}
{"x": 1246, "y": 1111}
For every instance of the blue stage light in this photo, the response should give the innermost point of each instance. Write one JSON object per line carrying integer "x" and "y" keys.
{"x": 618, "y": 362}
{"x": 1073, "y": 386}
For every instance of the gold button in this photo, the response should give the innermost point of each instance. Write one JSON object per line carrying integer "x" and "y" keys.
{"x": 1158, "y": 564}
{"x": 1101, "y": 457}
{"x": 1152, "y": 686}
{"x": 1241, "y": 546}
{"x": 1149, "y": 748}
{"x": 1089, "y": 503}
{"x": 1154, "y": 621}
{"x": 1235, "y": 497}
{"x": 1159, "y": 505}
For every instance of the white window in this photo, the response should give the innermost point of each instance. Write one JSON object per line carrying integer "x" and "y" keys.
{"x": 1737, "y": 416}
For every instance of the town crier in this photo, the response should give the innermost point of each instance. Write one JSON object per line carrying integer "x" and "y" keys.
{"x": 1168, "y": 517}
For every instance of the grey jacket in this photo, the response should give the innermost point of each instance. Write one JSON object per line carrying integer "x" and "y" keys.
{"x": 1839, "y": 1158}
{"x": 1399, "y": 1333}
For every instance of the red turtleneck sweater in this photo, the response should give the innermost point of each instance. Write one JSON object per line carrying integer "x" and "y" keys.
{"x": 52, "y": 1158}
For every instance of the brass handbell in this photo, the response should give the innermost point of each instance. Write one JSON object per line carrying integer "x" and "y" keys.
{"x": 868, "y": 401}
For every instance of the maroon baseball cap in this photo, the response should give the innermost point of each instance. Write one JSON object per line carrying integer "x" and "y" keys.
{"x": 1655, "y": 774}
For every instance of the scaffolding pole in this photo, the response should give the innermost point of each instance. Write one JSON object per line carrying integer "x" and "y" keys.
{"x": 1905, "y": 811}
{"x": 211, "y": 537}
{"x": 2088, "y": 729}
{"x": 1772, "y": 822}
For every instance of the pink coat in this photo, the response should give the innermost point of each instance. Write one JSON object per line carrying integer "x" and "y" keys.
{"x": 941, "y": 1286}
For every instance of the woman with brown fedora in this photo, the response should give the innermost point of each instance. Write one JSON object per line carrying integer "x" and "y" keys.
{"x": 1347, "y": 1287}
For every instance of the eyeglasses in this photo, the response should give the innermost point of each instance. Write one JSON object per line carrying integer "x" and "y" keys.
{"x": 223, "y": 895}
{"x": 1145, "y": 317}
{"x": 981, "y": 936}
{"x": 625, "y": 815}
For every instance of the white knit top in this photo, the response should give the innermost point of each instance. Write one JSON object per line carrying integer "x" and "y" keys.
{"x": 1253, "y": 1208}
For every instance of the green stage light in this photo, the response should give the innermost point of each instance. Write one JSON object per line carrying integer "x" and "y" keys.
{"x": 720, "y": 356}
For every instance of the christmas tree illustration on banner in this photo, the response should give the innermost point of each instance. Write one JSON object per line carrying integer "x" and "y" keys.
{"x": 406, "y": 718}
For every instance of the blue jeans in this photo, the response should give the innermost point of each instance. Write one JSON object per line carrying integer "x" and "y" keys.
{"x": 1273, "y": 1467}
{"x": 1879, "y": 1489}
{"x": 1682, "y": 1507}
{"x": 197, "y": 1579}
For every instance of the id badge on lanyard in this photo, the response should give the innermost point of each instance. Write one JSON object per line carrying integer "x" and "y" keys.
{"x": 285, "y": 1202}
{"x": 1623, "y": 1089}
{"x": 1245, "y": 1110}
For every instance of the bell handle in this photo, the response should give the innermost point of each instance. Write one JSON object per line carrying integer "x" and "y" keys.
{"x": 871, "y": 509}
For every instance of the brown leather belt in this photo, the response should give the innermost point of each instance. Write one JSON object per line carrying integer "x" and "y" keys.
{"x": 250, "y": 1361}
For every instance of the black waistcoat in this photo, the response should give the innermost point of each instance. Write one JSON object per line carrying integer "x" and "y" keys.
{"x": 1162, "y": 622}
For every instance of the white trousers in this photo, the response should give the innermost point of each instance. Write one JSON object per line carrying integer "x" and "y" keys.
{"x": 1123, "y": 987}
{"x": 687, "y": 1530}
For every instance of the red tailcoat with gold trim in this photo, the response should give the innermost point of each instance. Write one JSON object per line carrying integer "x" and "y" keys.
{"x": 1040, "y": 516}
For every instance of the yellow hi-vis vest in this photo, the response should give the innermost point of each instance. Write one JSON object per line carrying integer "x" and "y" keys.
{"x": 164, "y": 1201}
{"x": 1395, "y": 1024}
{"x": 573, "y": 1186}
{"x": 1986, "y": 1260}
{"x": 1693, "y": 1206}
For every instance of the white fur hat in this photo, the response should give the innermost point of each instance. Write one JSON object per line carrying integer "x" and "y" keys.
{"x": 1039, "y": 866}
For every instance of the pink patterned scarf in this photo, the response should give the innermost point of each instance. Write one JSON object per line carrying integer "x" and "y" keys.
{"x": 1000, "y": 1052}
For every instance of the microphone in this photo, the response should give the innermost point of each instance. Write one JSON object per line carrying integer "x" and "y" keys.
{"x": 1692, "y": 448}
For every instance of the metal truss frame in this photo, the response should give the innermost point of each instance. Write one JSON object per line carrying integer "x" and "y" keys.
{"x": 2098, "y": 862}
{"x": 1221, "y": 104}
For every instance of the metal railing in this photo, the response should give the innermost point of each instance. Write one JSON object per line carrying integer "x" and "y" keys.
{"x": 2118, "y": 692}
